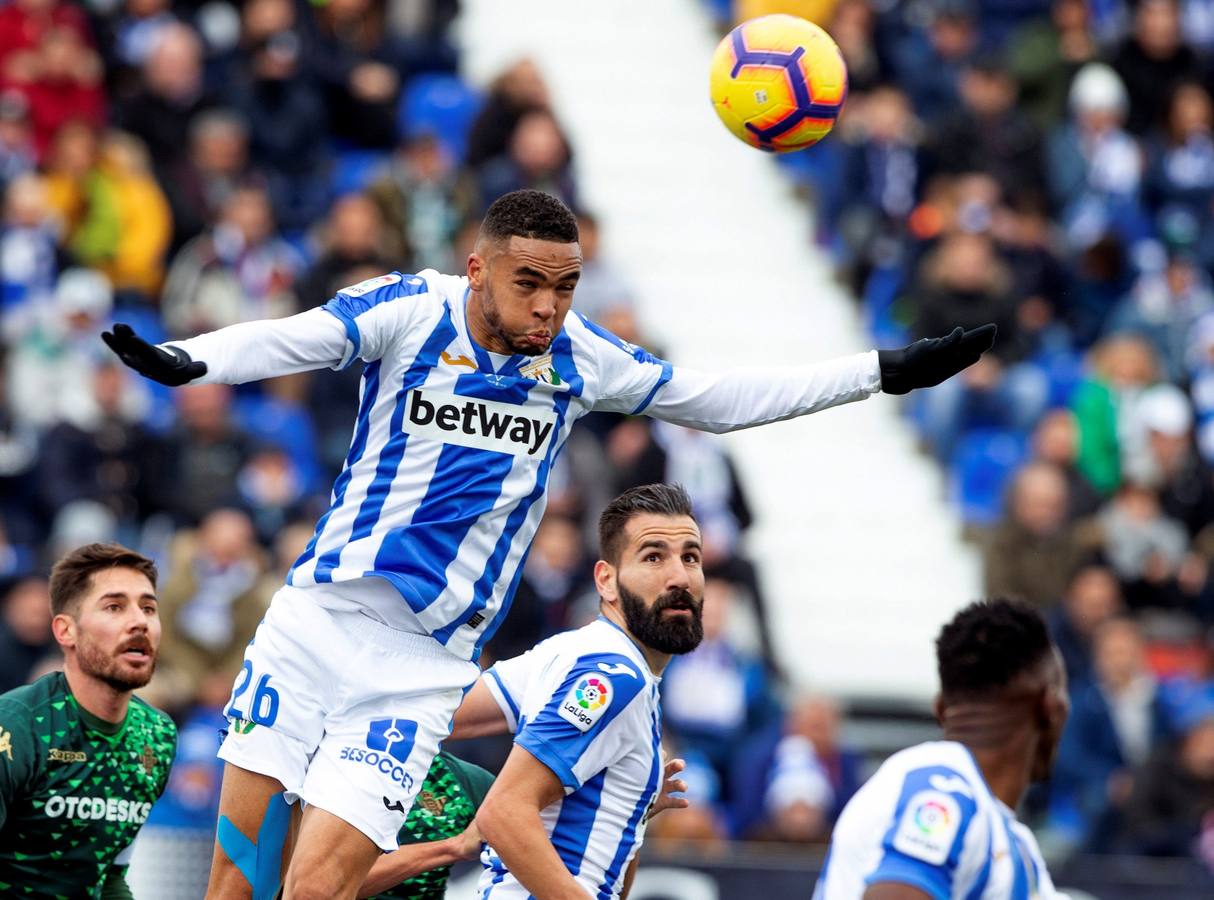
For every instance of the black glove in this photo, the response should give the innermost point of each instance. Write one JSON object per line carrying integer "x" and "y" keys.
{"x": 172, "y": 366}
{"x": 929, "y": 361}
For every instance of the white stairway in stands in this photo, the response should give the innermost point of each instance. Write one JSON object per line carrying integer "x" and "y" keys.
{"x": 858, "y": 547}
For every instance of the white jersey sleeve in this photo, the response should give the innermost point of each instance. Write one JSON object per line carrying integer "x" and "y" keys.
{"x": 934, "y": 833}
{"x": 584, "y": 724}
{"x": 507, "y": 682}
{"x": 267, "y": 348}
{"x": 359, "y": 322}
{"x": 372, "y": 314}
{"x": 634, "y": 381}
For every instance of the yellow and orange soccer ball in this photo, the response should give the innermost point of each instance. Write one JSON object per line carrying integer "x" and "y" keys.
{"x": 778, "y": 83}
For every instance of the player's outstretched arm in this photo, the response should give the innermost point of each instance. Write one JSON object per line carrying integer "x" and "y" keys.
{"x": 509, "y": 820}
{"x": 237, "y": 354}
{"x": 413, "y": 859}
{"x": 758, "y": 395}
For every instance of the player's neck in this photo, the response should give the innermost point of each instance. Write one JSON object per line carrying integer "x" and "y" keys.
{"x": 1001, "y": 745}
{"x": 656, "y": 660}
{"x": 94, "y": 696}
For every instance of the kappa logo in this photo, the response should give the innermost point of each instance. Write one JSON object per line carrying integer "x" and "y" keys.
{"x": 67, "y": 756}
{"x": 479, "y": 424}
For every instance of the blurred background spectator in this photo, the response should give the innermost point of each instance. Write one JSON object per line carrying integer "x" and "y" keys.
{"x": 1045, "y": 165}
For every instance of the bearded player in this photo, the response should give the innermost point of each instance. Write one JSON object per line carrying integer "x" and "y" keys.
{"x": 936, "y": 820}
{"x": 81, "y": 759}
{"x": 470, "y": 389}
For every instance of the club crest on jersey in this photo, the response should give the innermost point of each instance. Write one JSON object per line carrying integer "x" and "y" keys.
{"x": 371, "y": 284}
{"x": 586, "y": 701}
{"x": 6, "y": 743}
{"x": 928, "y": 826}
{"x": 542, "y": 370}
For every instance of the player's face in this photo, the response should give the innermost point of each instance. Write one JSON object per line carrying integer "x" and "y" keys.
{"x": 116, "y": 632}
{"x": 523, "y": 289}
{"x": 660, "y": 583}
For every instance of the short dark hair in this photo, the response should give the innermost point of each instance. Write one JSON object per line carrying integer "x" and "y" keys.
{"x": 659, "y": 499}
{"x": 73, "y": 574}
{"x": 530, "y": 214}
{"x": 987, "y": 645}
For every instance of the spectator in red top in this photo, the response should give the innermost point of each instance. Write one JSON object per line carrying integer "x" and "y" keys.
{"x": 47, "y": 55}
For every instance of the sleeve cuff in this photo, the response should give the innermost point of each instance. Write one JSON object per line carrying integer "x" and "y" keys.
{"x": 504, "y": 701}
{"x": 907, "y": 873}
{"x": 542, "y": 750}
{"x": 871, "y": 372}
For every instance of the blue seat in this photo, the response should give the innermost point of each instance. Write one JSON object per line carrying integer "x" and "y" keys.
{"x": 981, "y": 467}
{"x": 442, "y": 105}
{"x": 354, "y": 169}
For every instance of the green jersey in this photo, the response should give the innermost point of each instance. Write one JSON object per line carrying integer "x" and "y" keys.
{"x": 74, "y": 790}
{"x": 445, "y": 807}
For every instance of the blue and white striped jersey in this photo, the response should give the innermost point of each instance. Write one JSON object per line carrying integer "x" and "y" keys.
{"x": 445, "y": 481}
{"x": 444, "y": 484}
{"x": 585, "y": 704}
{"x": 927, "y": 819}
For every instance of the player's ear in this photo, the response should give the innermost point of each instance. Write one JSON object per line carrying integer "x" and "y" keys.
{"x": 476, "y": 269}
{"x": 63, "y": 627}
{"x": 604, "y": 579}
{"x": 938, "y": 709}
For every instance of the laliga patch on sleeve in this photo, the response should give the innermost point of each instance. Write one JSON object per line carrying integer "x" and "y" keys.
{"x": 371, "y": 284}
{"x": 928, "y": 827}
{"x": 586, "y": 701}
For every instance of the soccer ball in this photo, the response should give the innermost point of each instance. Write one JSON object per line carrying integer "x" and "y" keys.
{"x": 778, "y": 83}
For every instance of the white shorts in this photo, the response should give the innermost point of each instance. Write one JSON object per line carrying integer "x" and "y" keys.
{"x": 346, "y": 712}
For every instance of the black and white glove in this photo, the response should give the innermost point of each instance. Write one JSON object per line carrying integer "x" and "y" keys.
{"x": 170, "y": 366}
{"x": 929, "y": 361}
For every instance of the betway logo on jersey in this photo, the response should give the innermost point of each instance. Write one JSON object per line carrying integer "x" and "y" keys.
{"x": 476, "y": 423}
{"x": 108, "y": 809}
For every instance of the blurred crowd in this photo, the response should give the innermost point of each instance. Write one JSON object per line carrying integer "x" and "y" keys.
{"x": 184, "y": 166}
{"x": 1048, "y": 165}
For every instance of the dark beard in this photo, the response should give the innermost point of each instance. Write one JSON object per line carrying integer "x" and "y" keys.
{"x": 96, "y": 663}
{"x": 648, "y": 625}
{"x": 494, "y": 321}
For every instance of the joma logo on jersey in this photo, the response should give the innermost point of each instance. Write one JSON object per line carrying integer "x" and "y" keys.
{"x": 109, "y": 809}
{"x": 480, "y": 424}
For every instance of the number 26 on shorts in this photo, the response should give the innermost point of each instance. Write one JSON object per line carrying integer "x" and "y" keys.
{"x": 263, "y": 705}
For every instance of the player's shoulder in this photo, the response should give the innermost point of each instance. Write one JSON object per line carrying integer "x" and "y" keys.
{"x": 474, "y": 780}
{"x": 426, "y": 286}
{"x": 25, "y": 702}
{"x": 592, "y": 338}
{"x": 153, "y": 719}
{"x": 934, "y": 792}
{"x": 943, "y": 766}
